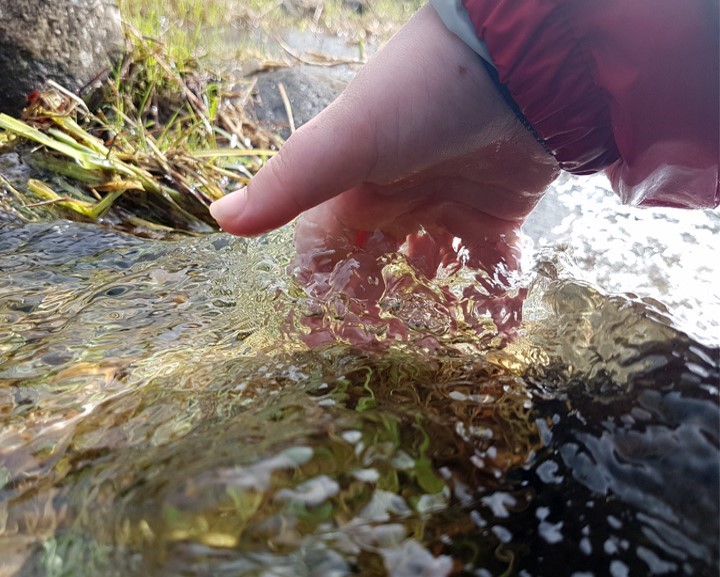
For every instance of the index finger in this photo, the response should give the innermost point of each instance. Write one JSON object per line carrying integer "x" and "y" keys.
{"x": 325, "y": 157}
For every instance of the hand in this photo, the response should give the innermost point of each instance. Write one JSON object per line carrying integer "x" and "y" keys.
{"x": 419, "y": 150}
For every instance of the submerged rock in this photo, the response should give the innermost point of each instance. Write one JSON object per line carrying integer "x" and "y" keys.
{"x": 72, "y": 42}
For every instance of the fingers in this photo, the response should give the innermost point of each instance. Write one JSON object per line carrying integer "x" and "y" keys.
{"x": 325, "y": 157}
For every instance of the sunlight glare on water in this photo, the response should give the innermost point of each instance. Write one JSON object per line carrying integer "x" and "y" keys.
{"x": 671, "y": 255}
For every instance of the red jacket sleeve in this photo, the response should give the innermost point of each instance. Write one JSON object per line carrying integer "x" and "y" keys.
{"x": 626, "y": 86}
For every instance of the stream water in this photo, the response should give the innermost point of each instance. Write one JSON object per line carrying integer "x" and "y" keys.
{"x": 160, "y": 413}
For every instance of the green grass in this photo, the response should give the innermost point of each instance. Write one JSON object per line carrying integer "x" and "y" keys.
{"x": 179, "y": 24}
{"x": 155, "y": 147}
{"x": 162, "y": 138}
{"x": 192, "y": 28}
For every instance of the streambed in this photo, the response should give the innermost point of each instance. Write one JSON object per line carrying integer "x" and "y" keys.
{"x": 160, "y": 413}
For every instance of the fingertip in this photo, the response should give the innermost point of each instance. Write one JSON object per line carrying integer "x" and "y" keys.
{"x": 229, "y": 209}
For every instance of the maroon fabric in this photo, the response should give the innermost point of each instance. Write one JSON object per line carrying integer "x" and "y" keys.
{"x": 629, "y": 86}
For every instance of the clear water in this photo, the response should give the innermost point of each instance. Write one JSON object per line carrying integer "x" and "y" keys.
{"x": 161, "y": 414}
{"x": 666, "y": 254}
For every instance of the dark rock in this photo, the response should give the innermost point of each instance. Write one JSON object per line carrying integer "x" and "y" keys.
{"x": 301, "y": 8}
{"x": 309, "y": 89}
{"x": 72, "y": 42}
{"x": 358, "y": 6}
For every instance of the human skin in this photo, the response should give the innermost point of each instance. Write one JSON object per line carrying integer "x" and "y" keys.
{"x": 419, "y": 150}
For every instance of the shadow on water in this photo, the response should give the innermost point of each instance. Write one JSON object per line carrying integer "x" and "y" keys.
{"x": 159, "y": 416}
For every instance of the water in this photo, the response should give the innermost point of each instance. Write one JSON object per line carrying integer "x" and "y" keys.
{"x": 669, "y": 255}
{"x": 161, "y": 414}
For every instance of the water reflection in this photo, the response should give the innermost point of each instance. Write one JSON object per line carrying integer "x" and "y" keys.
{"x": 159, "y": 416}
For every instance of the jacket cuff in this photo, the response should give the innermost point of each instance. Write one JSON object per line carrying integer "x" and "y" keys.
{"x": 456, "y": 19}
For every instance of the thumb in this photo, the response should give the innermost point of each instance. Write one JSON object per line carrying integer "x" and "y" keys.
{"x": 328, "y": 155}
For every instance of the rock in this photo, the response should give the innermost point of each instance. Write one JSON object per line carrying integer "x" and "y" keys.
{"x": 358, "y": 6}
{"x": 302, "y": 8}
{"x": 72, "y": 42}
{"x": 309, "y": 90}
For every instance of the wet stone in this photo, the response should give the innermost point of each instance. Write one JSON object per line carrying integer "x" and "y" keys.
{"x": 72, "y": 42}
{"x": 309, "y": 90}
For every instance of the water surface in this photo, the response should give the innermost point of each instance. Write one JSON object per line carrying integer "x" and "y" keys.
{"x": 160, "y": 414}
